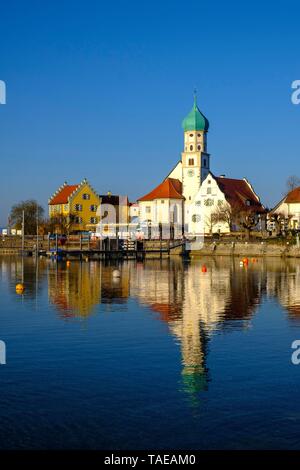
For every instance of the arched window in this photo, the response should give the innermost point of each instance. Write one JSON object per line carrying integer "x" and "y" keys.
{"x": 191, "y": 148}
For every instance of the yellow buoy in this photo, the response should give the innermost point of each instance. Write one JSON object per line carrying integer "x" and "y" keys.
{"x": 20, "y": 288}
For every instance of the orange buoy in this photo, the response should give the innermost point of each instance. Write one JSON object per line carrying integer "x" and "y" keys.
{"x": 204, "y": 268}
{"x": 245, "y": 261}
{"x": 20, "y": 288}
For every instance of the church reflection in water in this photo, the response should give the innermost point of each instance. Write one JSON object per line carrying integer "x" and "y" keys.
{"x": 193, "y": 304}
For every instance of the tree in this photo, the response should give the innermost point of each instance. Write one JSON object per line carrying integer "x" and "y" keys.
{"x": 292, "y": 182}
{"x": 60, "y": 224}
{"x": 33, "y": 213}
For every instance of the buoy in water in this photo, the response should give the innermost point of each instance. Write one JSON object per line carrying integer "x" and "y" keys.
{"x": 204, "y": 268}
{"x": 116, "y": 273}
{"x": 20, "y": 288}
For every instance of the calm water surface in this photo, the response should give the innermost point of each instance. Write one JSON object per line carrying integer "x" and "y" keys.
{"x": 166, "y": 357}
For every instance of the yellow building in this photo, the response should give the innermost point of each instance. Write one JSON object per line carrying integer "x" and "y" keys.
{"x": 78, "y": 204}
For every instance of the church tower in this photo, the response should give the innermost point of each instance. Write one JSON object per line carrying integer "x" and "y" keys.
{"x": 195, "y": 159}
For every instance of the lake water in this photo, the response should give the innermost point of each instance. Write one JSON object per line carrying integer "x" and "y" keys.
{"x": 166, "y": 357}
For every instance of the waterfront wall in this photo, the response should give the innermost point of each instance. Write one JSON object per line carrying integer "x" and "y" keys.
{"x": 248, "y": 249}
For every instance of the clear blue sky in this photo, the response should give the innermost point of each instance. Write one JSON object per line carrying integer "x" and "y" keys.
{"x": 98, "y": 89}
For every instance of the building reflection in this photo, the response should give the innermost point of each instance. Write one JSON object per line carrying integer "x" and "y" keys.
{"x": 283, "y": 283}
{"x": 193, "y": 304}
{"x": 78, "y": 289}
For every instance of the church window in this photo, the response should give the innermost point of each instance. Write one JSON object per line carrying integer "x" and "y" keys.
{"x": 208, "y": 202}
{"x": 199, "y": 135}
{"x": 196, "y": 218}
{"x": 191, "y": 161}
{"x": 209, "y": 182}
{"x": 199, "y": 147}
{"x": 191, "y": 135}
{"x": 208, "y": 191}
{"x": 191, "y": 147}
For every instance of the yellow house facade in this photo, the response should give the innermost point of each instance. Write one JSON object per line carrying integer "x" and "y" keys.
{"x": 78, "y": 204}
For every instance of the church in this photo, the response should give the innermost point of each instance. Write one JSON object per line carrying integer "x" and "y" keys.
{"x": 191, "y": 199}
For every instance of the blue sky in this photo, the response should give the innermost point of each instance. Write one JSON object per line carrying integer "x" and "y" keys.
{"x": 99, "y": 89}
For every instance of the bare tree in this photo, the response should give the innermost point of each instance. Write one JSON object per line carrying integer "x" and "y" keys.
{"x": 33, "y": 212}
{"x": 292, "y": 182}
{"x": 60, "y": 223}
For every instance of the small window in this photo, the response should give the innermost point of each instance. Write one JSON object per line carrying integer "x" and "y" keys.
{"x": 198, "y": 203}
{"x": 248, "y": 202}
{"x": 86, "y": 196}
{"x": 148, "y": 209}
{"x": 93, "y": 220}
{"x": 78, "y": 207}
{"x": 162, "y": 201}
{"x": 191, "y": 161}
{"x": 199, "y": 135}
{"x": 209, "y": 182}
{"x": 199, "y": 147}
{"x": 204, "y": 161}
{"x": 196, "y": 218}
{"x": 191, "y": 135}
{"x": 208, "y": 191}
{"x": 78, "y": 220}
{"x": 93, "y": 208}
{"x": 191, "y": 148}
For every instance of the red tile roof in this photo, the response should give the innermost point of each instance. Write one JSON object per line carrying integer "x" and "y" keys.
{"x": 63, "y": 195}
{"x": 293, "y": 196}
{"x": 239, "y": 192}
{"x": 170, "y": 188}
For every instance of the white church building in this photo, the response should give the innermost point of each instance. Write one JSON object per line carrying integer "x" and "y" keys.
{"x": 190, "y": 198}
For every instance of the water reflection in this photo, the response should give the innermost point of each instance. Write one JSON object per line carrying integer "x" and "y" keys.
{"x": 193, "y": 304}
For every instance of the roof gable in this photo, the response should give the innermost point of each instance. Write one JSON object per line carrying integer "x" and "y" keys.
{"x": 293, "y": 196}
{"x": 62, "y": 195}
{"x": 238, "y": 192}
{"x": 170, "y": 188}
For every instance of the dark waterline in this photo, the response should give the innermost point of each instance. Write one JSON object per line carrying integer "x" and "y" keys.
{"x": 165, "y": 357}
